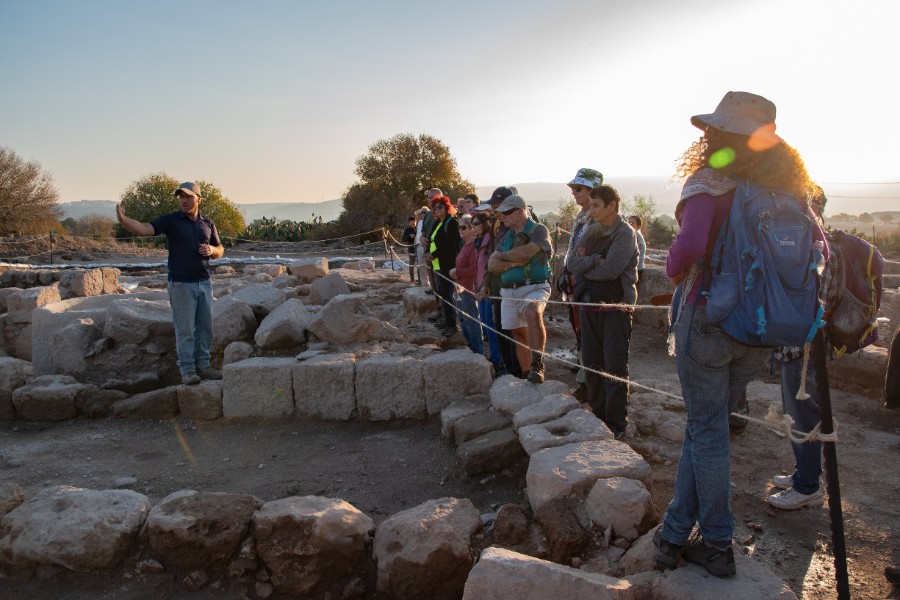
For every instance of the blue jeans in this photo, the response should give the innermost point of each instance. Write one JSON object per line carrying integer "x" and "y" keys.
{"x": 712, "y": 368}
{"x": 486, "y": 312}
{"x": 192, "y": 312}
{"x": 807, "y": 456}
{"x": 468, "y": 320}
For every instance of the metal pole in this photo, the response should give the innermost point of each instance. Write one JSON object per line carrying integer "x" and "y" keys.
{"x": 51, "y": 247}
{"x": 839, "y": 548}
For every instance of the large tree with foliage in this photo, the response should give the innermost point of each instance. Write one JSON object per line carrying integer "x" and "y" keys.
{"x": 393, "y": 177}
{"x": 154, "y": 195}
{"x": 29, "y": 201}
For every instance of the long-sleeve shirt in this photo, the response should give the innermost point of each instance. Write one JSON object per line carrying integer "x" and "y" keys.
{"x": 618, "y": 262}
{"x": 466, "y": 267}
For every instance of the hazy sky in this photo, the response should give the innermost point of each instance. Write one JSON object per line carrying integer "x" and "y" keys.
{"x": 273, "y": 101}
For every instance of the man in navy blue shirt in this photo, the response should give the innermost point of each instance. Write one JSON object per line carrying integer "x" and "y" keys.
{"x": 193, "y": 241}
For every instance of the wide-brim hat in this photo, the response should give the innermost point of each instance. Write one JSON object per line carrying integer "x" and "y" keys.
{"x": 589, "y": 178}
{"x": 739, "y": 112}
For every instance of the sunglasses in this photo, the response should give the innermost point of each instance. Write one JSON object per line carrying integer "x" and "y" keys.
{"x": 577, "y": 189}
{"x": 506, "y": 213}
{"x": 463, "y": 227}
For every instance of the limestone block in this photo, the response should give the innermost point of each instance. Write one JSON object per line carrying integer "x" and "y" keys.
{"x": 640, "y": 557}
{"x": 202, "y": 401}
{"x": 345, "y": 320}
{"x": 70, "y": 347}
{"x": 194, "y": 529}
{"x": 359, "y": 265}
{"x": 548, "y": 409}
{"x": 424, "y": 552}
{"x": 566, "y": 534}
{"x": 477, "y": 424}
{"x": 78, "y": 529}
{"x": 324, "y": 387}
{"x": 506, "y": 575}
{"x": 654, "y": 282}
{"x": 110, "y": 279}
{"x": 624, "y": 504}
{"x": 14, "y": 373}
{"x": 262, "y": 298}
{"x": 308, "y": 269}
{"x": 323, "y": 289}
{"x": 445, "y": 382}
{"x": 21, "y": 304}
{"x": 132, "y": 320}
{"x": 233, "y": 321}
{"x": 258, "y": 387}
{"x": 96, "y": 403}
{"x": 271, "y": 270}
{"x": 305, "y": 541}
{"x": 490, "y": 452}
{"x": 417, "y": 303}
{"x": 285, "y": 327}
{"x": 237, "y": 351}
{"x": 578, "y": 425}
{"x": 284, "y": 282}
{"x": 11, "y": 496}
{"x": 510, "y": 394}
{"x": 575, "y": 468}
{"x": 4, "y": 294}
{"x": 224, "y": 270}
{"x": 82, "y": 283}
{"x": 458, "y": 409}
{"x": 262, "y": 278}
{"x": 157, "y": 404}
{"x": 390, "y": 387}
{"x": 18, "y": 339}
{"x": 862, "y": 368}
{"x": 47, "y": 398}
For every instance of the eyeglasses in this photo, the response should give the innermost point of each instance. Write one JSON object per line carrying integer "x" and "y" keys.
{"x": 577, "y": 189}
{"x": 438, "y": 206}
{"x": 462, "y": 227}
{"x": 506, "y": 213}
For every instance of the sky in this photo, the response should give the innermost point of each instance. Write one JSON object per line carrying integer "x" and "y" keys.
{"x": 273, "y": 101}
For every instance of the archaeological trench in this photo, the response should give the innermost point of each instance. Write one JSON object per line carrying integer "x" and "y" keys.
{"x": 306, "y": 340}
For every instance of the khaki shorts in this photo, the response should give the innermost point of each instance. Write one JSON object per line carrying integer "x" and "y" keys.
{"x": 512, "y": 312}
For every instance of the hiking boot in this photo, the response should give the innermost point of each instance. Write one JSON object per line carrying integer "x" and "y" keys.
{"x": 666, "y": 552}
{"x": 209, "y": 373}
{"x": 791, "y": 499}
{"x": 580, "y": 392}
{"x": 618, "y": 435}
{"x": 190, "y": 379}
{"x": 892, "y": 574}
{"x": 499, "y": 370}
{"x": 536, "y": 375}
{"x": 717, "y": 561}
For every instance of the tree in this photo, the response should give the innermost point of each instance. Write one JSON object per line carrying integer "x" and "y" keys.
{"x": 92, "y": 225}
{"x": 394, "y": 175}
{"x": 29, "y": 201}
{"x": 885, "y": 217}
{"x": 865, "y": 218}
{"x": 154, "y": 195}
{"x": 640, "y": 205}
{"x": 567, "y": 209}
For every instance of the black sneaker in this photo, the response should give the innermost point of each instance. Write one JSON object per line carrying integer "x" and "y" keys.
{"x": 435, "y": 318}
{"x": 448, "y": 331}
{"x": 666, "y": 552}
{"x": 717, "y": 561}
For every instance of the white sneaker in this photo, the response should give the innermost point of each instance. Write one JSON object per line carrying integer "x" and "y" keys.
{"x": 783, "y": 482}
{"x": 791, "y": 499}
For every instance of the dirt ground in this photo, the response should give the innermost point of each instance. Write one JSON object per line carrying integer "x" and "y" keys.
{"x": 385, "y": 468}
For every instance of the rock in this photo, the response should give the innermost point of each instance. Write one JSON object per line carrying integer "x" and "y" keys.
{"x": 14, "y": 373}
{"x": 324, "y": 387}
{"x": 136, "y": 383}
{"x": 150, "y": 565}
{"x": 263, "y": 589}
{"x": 47, "y": 398}
{"x": 578, "y": 425}
{"x": 325, "y": 288}
{"x": 195, "y": 580}
{"x": 193, "y": 529}
{"x": 574, "y": 468}
{"x": 310, "y": 540}
{"x": 417, "y": 303}
{"x": 345, "y": 320}
{"x": 11, "y": 496}
{"x": 124, "y": 482}
{"x": 565, "y": 535}
{"x": 80, "y": 530}
{"x": 479, "y": 424}
{"x": 511, "y": 525}
{"x": 390, "y": 387}
{"x": 444, "y": 384}
{"x": 506, "y": 575}
{"x": 258, "y": 387}
{"x": 233, "y": 321}
{"x": 271, "y": 270}
{"x": 424, "y": 552}
{"x": 490, "y": 452}
{"x": 236, "y": 352}
{"x": 548, "y": 409}
{"x": 459, "y": 409}
{"x": 224, "y": 270}
{"x": 21, "y": 304}
{"x": 110, "y": 280}
{"x": 510, "y": 394}
{"x": 81, "y": 283}
{"x": 641, "y": 556}
{"x": 261, "y": 298}
{"x": 4, "y": 294}
{"x": 136, "y": 321}
{"x": 70, "y": 347}
{"x": 285, "y": 327}
{"x": 158, "y": 404}
{"x": 308, "y": 269}
{"x": 96, "y": 403}
{"x": 620, "y": 503}
{"x": 203, "y": 401}
{"x": 262, "y": 278}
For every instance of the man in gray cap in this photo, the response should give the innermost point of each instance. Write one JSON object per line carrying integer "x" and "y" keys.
{"x": 523, "y": 261}
{"x": 193, "y": 241}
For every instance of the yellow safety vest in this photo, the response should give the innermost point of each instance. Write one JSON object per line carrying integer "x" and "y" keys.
{"x": 433, "y": 248}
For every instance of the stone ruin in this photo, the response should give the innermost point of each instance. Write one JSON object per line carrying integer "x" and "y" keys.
{"x": 95, "y": 351}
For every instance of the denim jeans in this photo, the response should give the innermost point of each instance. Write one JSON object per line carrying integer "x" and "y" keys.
{"x": 807, "y": 456}
{"x": 712, "y": 368}
{"x": 192, "y": 312}
{"x": 468, "y": 320}
{"x": 605, "y": 341}
{"x": 486, "y": 311}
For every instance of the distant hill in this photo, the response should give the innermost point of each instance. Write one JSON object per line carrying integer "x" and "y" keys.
{"x": 292, "y": 211}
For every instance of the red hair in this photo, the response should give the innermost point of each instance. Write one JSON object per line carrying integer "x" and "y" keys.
{"x": 445, "y": 201}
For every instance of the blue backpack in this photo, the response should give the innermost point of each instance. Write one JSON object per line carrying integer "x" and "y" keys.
{"x": 764, "y": 286}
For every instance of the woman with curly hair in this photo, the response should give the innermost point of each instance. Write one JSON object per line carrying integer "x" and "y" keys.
{"x": 442, "y": 250}
{"x": 738, "y": 144}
